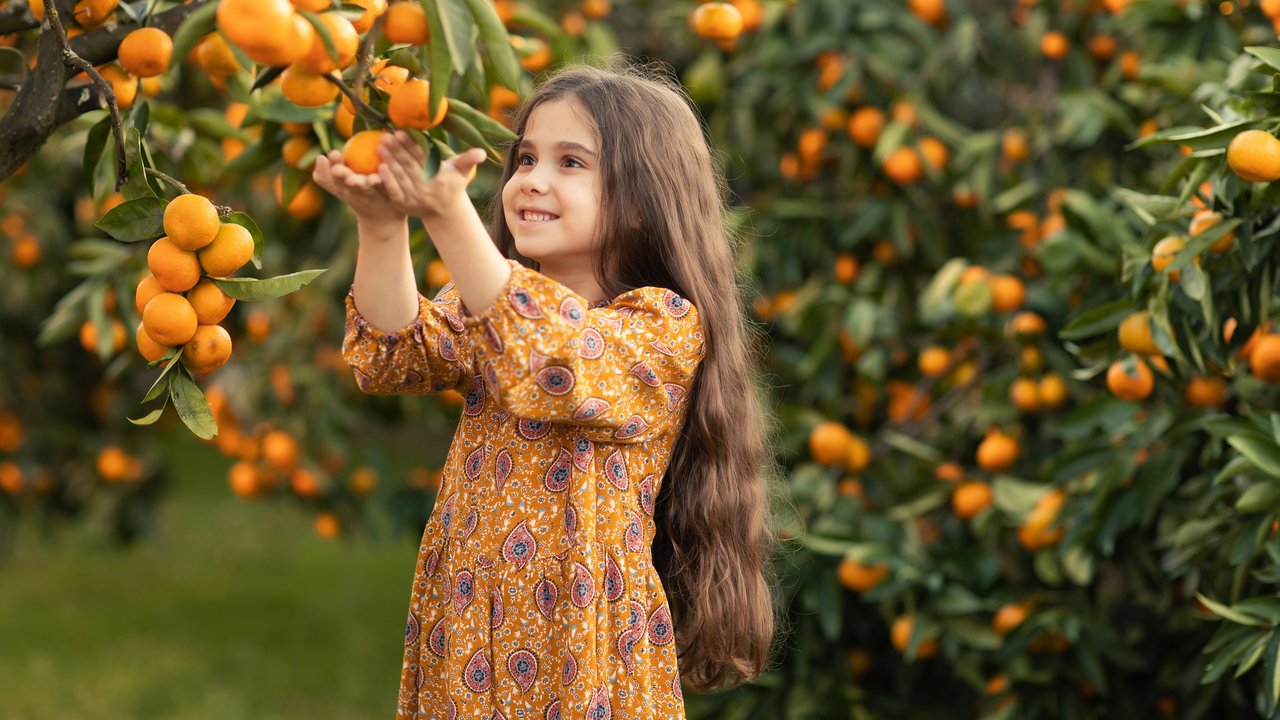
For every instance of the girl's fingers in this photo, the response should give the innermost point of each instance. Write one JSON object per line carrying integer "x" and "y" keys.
{"x": 391, "y": 183}
{"x": 467, "y": 161}
{"x": 321, "y": 174}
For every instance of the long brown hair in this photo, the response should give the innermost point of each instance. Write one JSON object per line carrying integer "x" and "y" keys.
{"x": 663, "y": 225}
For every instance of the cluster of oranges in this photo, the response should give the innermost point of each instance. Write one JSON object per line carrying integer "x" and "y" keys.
{"x": 180, "y": 304}
{"x": 724, "y": 22}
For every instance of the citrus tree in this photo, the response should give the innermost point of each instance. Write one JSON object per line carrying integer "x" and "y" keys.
{"x": 1014, "y": 262}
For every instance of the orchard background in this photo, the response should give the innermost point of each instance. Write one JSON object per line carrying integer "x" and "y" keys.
{"x": 1015, "y": 264}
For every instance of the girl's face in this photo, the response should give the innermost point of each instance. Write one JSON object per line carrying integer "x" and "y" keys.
{"x": 552, "y": 201}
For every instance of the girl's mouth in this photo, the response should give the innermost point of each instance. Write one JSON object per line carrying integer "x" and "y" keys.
{"x": 535, "y": 216}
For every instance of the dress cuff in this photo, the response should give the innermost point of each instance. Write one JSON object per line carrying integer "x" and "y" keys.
{"x": 364, "y": 328}
{"x": 490, "y": 313}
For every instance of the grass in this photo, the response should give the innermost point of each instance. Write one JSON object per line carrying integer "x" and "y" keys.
{"x": 233, "y": 610}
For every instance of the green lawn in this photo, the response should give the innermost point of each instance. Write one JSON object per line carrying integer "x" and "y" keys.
{"x": 234, "y": 610}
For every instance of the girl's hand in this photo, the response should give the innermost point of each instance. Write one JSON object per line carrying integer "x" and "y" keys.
{"x": 410, "y": 193}
{"x": 363, "y": 193}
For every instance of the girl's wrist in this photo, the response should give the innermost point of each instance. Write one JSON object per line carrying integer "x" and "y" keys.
{"x": 442, "y": 218}
{"x": 380, "y": 229}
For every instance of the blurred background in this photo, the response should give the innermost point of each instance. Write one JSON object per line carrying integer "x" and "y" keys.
{"x": 1012, "y": 265}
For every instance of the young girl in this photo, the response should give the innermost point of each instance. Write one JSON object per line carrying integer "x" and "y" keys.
{"x": 603, "y": 509}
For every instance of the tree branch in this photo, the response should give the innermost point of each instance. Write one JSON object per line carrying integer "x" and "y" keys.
{"x": 16, "y": 17}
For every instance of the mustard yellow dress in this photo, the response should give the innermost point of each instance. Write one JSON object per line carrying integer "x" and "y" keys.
{"x": 535, "y": 595}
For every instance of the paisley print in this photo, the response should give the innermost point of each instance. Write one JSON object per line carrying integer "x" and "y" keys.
{"x": 676, "y": 305}
{"x": 615, "y": 469}
{"x": 558, "y": 475}
{"x": 502, "y": 468}
{"x": 523, "y": 302}
{"x": 520, "y": 546}
{"x": 545, "y": 594}
{"x": 572, "y": 312}
{"x": 647, "y": 495}
{"x": 523, "y": 666}
{"x": 590, "y": 408}
{"x": 437, "y": 640}
{"x": 583, "y": 589}
{"x": 646, "y": 374}
{"x": 533, "y": 429}
{"x": 660, "y": 630}
{"x": 474, "y": 404}
{"x": 600, "y": 708}
{"x": 464, "y": 590}
{"x": 674, "y": 393}
{"x": 632, "y": 427}
{"x": 555, "y": 380}
{"x": 475, "y": 461}
{"x": 570, "y": 672}
{"x": 583, "y": 451}
{"x": 542, "y": 514}
{"x": 448, "y": 348}
{"x": 590, "y": 344}
{"x": 632, "y": 537}
{"x": 478, "y": 674}
{"x": 614, "y": 584}
{"x": 411, "y": 630}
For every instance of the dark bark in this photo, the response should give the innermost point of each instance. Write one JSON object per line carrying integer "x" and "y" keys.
{"x": 44, "y": 103}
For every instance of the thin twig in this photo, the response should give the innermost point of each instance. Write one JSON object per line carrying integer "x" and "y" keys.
{"x": 359, "y": 104}
{"x": 167, "y": 178}
{"x": 70, "y": 58}
{"x": 364, "y": 55}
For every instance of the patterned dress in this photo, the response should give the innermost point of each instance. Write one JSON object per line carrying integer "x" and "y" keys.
{"x": 535, "y": 595}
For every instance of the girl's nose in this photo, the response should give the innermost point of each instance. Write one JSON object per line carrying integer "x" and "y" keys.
{"x": 533, "y": 181}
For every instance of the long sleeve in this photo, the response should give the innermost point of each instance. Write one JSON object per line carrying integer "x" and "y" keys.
{"x": 620, "y": 372}
{"x": 428, "y": 355}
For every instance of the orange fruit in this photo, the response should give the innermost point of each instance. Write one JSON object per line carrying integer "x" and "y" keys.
{"x": 295, "y": 44}
{"x": 408, "y": 102}
{"x": 280, "y": 450}
{"x": 1254, "y": 155}
{"x": 149, "y": 349}
{"x": 245, "y": 479}
{"x": 933, "y": 361}
{"x": 830, "y": 66}
{"x": 207, "y": 350}
{"x": 169, "y": 319}
{"x": 1054, "y": 45}
{"x": 1205, "y": 219}
{"x": 1009, "y": 617}
{"x": 344, "y": 121}
{"x": 846, "y": 268}
{"x": 328, "y": 526}
{"x": 145, "y": 52}
{"x": 903, "y": 166}
{"x": 717, "y": 21}
{"x": 91, "y": 13}
{"x": 255, "y": 23}
{"x": 89, "y": 336}
{"x": 1264, "y": 358}
{"x": 123, "y": 85}
{"x": 900, "y": 636}
{"x": 257, "y": 326}
{"x": 1035, "y": 531}
{"x": 1102, "y": 47}
{"x": 597, "y": 9}
{"x": 115, "y": 465}
{"x": 406, "y": 22}
{"x": 970, "y": 498}
{"x": 209, "y": 302}
{"x": 1027, "y": 323}
{"x": 752, "y": 12}
{"x": 1014, "y": 145}
{"x": 1052, "y": 390}
{"x": 1132, "y": 385}
{"x": 311, "y": 5}
{"x": 935, "y": 153}
{"x": 437, "y": 274}
{"x": 215, "y": 57}
{"x": 859, "y": 456}
{"x": 1163, "y": 253}
{"x": 829, "y": 443}
{"x": 997, "y": 452}
{"x": 949, "y": 472}
{"x": 1135, "y": 334}
{"x": 191, "y": 221}
{"x": 231, "y": 248}
{"x": 1205, "y": 392}
{"x": 304, "y": 482}
{"x": 11, "y": 477}
{"x": 361, "y": 151}
{"x": 345, "y": 43}
{"x": 306, "y": 203}
{"x": 386, "y": 76}
{"x": 1007, "y": 293}
{"x": 176, "y": 270}
{"x": 307, "y": 89}
{"x": 1270, "y": 8}
{"x": 1024, "y": 393}
{"x": 859, "y": 577}
{"x": 372, "y": 9}
{"x": 296, "y": 148}
{"x": 932, "y": 12}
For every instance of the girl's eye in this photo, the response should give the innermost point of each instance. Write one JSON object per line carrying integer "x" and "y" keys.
{"x": 524, "y": 159}
{"x": 573, "y": 162}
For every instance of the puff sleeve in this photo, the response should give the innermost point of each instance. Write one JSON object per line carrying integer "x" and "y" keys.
{"x": 429, "y": 355}
{"x": 619, "y": 372}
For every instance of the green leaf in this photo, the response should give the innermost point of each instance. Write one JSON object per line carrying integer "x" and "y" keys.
{"x": 251, "y": 289}
{"x": 242, "y": 219}
{"x": 1273, "y": 672}
{"x": 502, "y": 57}
{"x": 1016, "y": 497}
{"x": 322, "y": 31}
{"x": 911, "y": 446}
{"x": 94, "y": 143}
{"x": 161, "y": 383}
{"x": 1100, "y": 319}
{"x": 1268, "y": 55}
{"x": 192, "y": 406}
{"x": 467, "y": 133}
{"x": 199, "y": 23}
{"x": 490, "y": 128}
{"x": 1260, "y": 451}
{"x": 1260, "y": 497}
{"x": 148, "y": 419}
{"x": 441, "y": 59}
{"x": 135, "y": 220}
{"x": 1228, "y": 613}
